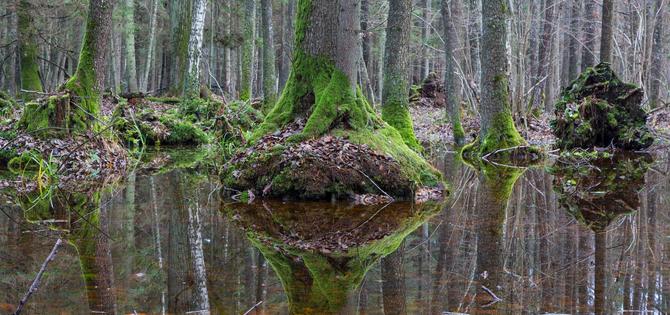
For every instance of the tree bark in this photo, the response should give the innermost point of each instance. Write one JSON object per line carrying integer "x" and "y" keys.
{"x": 144, "y": 82}
{"x": 248, "y": 49}
{"x": 497, "y": 127}
{"x": 269, "y": 77}
{"x": 607, "y": 29}
{"x": 129, "y": 32}
{"x": 544, "y": 54}
{"x": 657, "y": 55}
{"x": 287, "y": 42}
{"x": 573, "y": 45}
{"x": 589, "y": 42}
{"x": 425, "y": 35}
{"x": 395, "y": 95}
{"x": 451, "y": 81}
{"x": 192, "y": 83}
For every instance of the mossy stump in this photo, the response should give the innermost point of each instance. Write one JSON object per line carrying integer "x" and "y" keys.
{"x": 599, "y": 110}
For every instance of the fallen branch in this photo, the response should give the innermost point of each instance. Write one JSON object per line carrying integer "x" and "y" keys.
{"x": 252, "y": 308}
{"x": 495, "y": 298}
{"x": 38, "y": 278}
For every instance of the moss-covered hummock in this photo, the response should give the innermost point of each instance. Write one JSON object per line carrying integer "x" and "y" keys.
{"x": 319, "y": 97}
{"x": 598, "y": 110}
{"x": 597, "y": 192}
{"x": 319, "y": 253}
{"x": 7, "y": 105}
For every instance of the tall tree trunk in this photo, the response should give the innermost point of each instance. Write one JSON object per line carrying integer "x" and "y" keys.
{"x": 451, "y": 81}
{"x": 177, "y": 62}
{"x": 395, "y": 95}
{"x": 269, "y": 77}
{"x": 497, "y": 127}
{"x": 425, "y": 35}
{"x": 248, "y": 49}
{"x": 573, "y": 45}
{"x": 151, "y": 47}
{"x": 28, "y": 49}
{"x": 192, "y": 78}
{"x": 129, "y": 32}
{"x": 287, "y": 42}
{"x": 607, "y": 31}
{"x": 544, "y": 54}
{"x": 474, "y": 32}
{"x": 589, "y": 42}
{"x": 657, "y": 55}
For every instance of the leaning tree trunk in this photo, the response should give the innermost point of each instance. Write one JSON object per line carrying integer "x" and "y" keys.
{"x": 606, "y": 34}
{"x": 77, "y": 110}
{"x": 192, "y": 78}
{"x": 451, "y": 81}
{"x": 395, "y": 95}
{"x": 497, "y": 126}
{"x": 28, "y": 50}
{"x": 129, "y": 32}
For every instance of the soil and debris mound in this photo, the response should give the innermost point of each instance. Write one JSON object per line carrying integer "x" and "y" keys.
{"x": 430, "y": 93}
{"x": 599, "y": 110}
{"x": 326, "y": 167}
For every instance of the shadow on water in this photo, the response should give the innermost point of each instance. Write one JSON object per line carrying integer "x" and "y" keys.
{"x": 572, "y": 238}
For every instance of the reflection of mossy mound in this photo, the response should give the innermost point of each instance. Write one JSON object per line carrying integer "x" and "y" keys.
{"x": 597, "y": 193}
{"x": 597, "y": 110}
{"x": 321, "y": 251}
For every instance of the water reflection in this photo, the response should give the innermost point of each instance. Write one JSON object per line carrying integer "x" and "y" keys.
{"x": 321, "y": 252}
{"x": 568, "y": 240}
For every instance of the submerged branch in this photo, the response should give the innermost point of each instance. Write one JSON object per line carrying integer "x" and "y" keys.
{"x": 38, "y": 278}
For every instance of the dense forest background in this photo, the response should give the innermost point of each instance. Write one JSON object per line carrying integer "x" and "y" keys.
{"x": 249, "y": 42}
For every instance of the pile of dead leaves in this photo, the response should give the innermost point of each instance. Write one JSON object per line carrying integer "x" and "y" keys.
{"x": 72, "y": 161}
{"x": 318, "y": 168}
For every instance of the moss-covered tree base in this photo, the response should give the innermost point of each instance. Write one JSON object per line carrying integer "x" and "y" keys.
{"x": 598, "y": 110}
{"x": 339, "y": 164}
{"x": 323, "y": 140}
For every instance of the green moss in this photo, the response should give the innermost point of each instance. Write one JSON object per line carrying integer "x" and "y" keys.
{"x": 29, "y": 50}
{"x": 165, "y": 99}
{"x": 501, "y": 134}
{"x": 397, "y": 115}
{"x": 388, "y": 140}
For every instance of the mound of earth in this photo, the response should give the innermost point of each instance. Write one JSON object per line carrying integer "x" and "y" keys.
{"x": 325, "y": 167}
{"x": 599, "y": 110}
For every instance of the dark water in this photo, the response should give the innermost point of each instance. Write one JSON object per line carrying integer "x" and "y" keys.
{"x": 559, "y": 239}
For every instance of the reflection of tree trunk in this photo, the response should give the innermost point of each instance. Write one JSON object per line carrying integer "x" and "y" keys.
{"x": 651, "y": 238}
{"x": 96, "y": 259}
{"x": 260, "y": 276}
{"x": 157, "y": 237}
{"x": 393, "y": 283}
{"x": 601, "y": 269}
{"x": 585, "y": 265}
{"x": 438, "y": 275}
{"x": 495, "y": 188}
{"x": 177, "y": 249}
{"x": 200, "y": 297}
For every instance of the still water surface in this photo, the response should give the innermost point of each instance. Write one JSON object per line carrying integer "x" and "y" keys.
{"x": 554, "y": 239}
